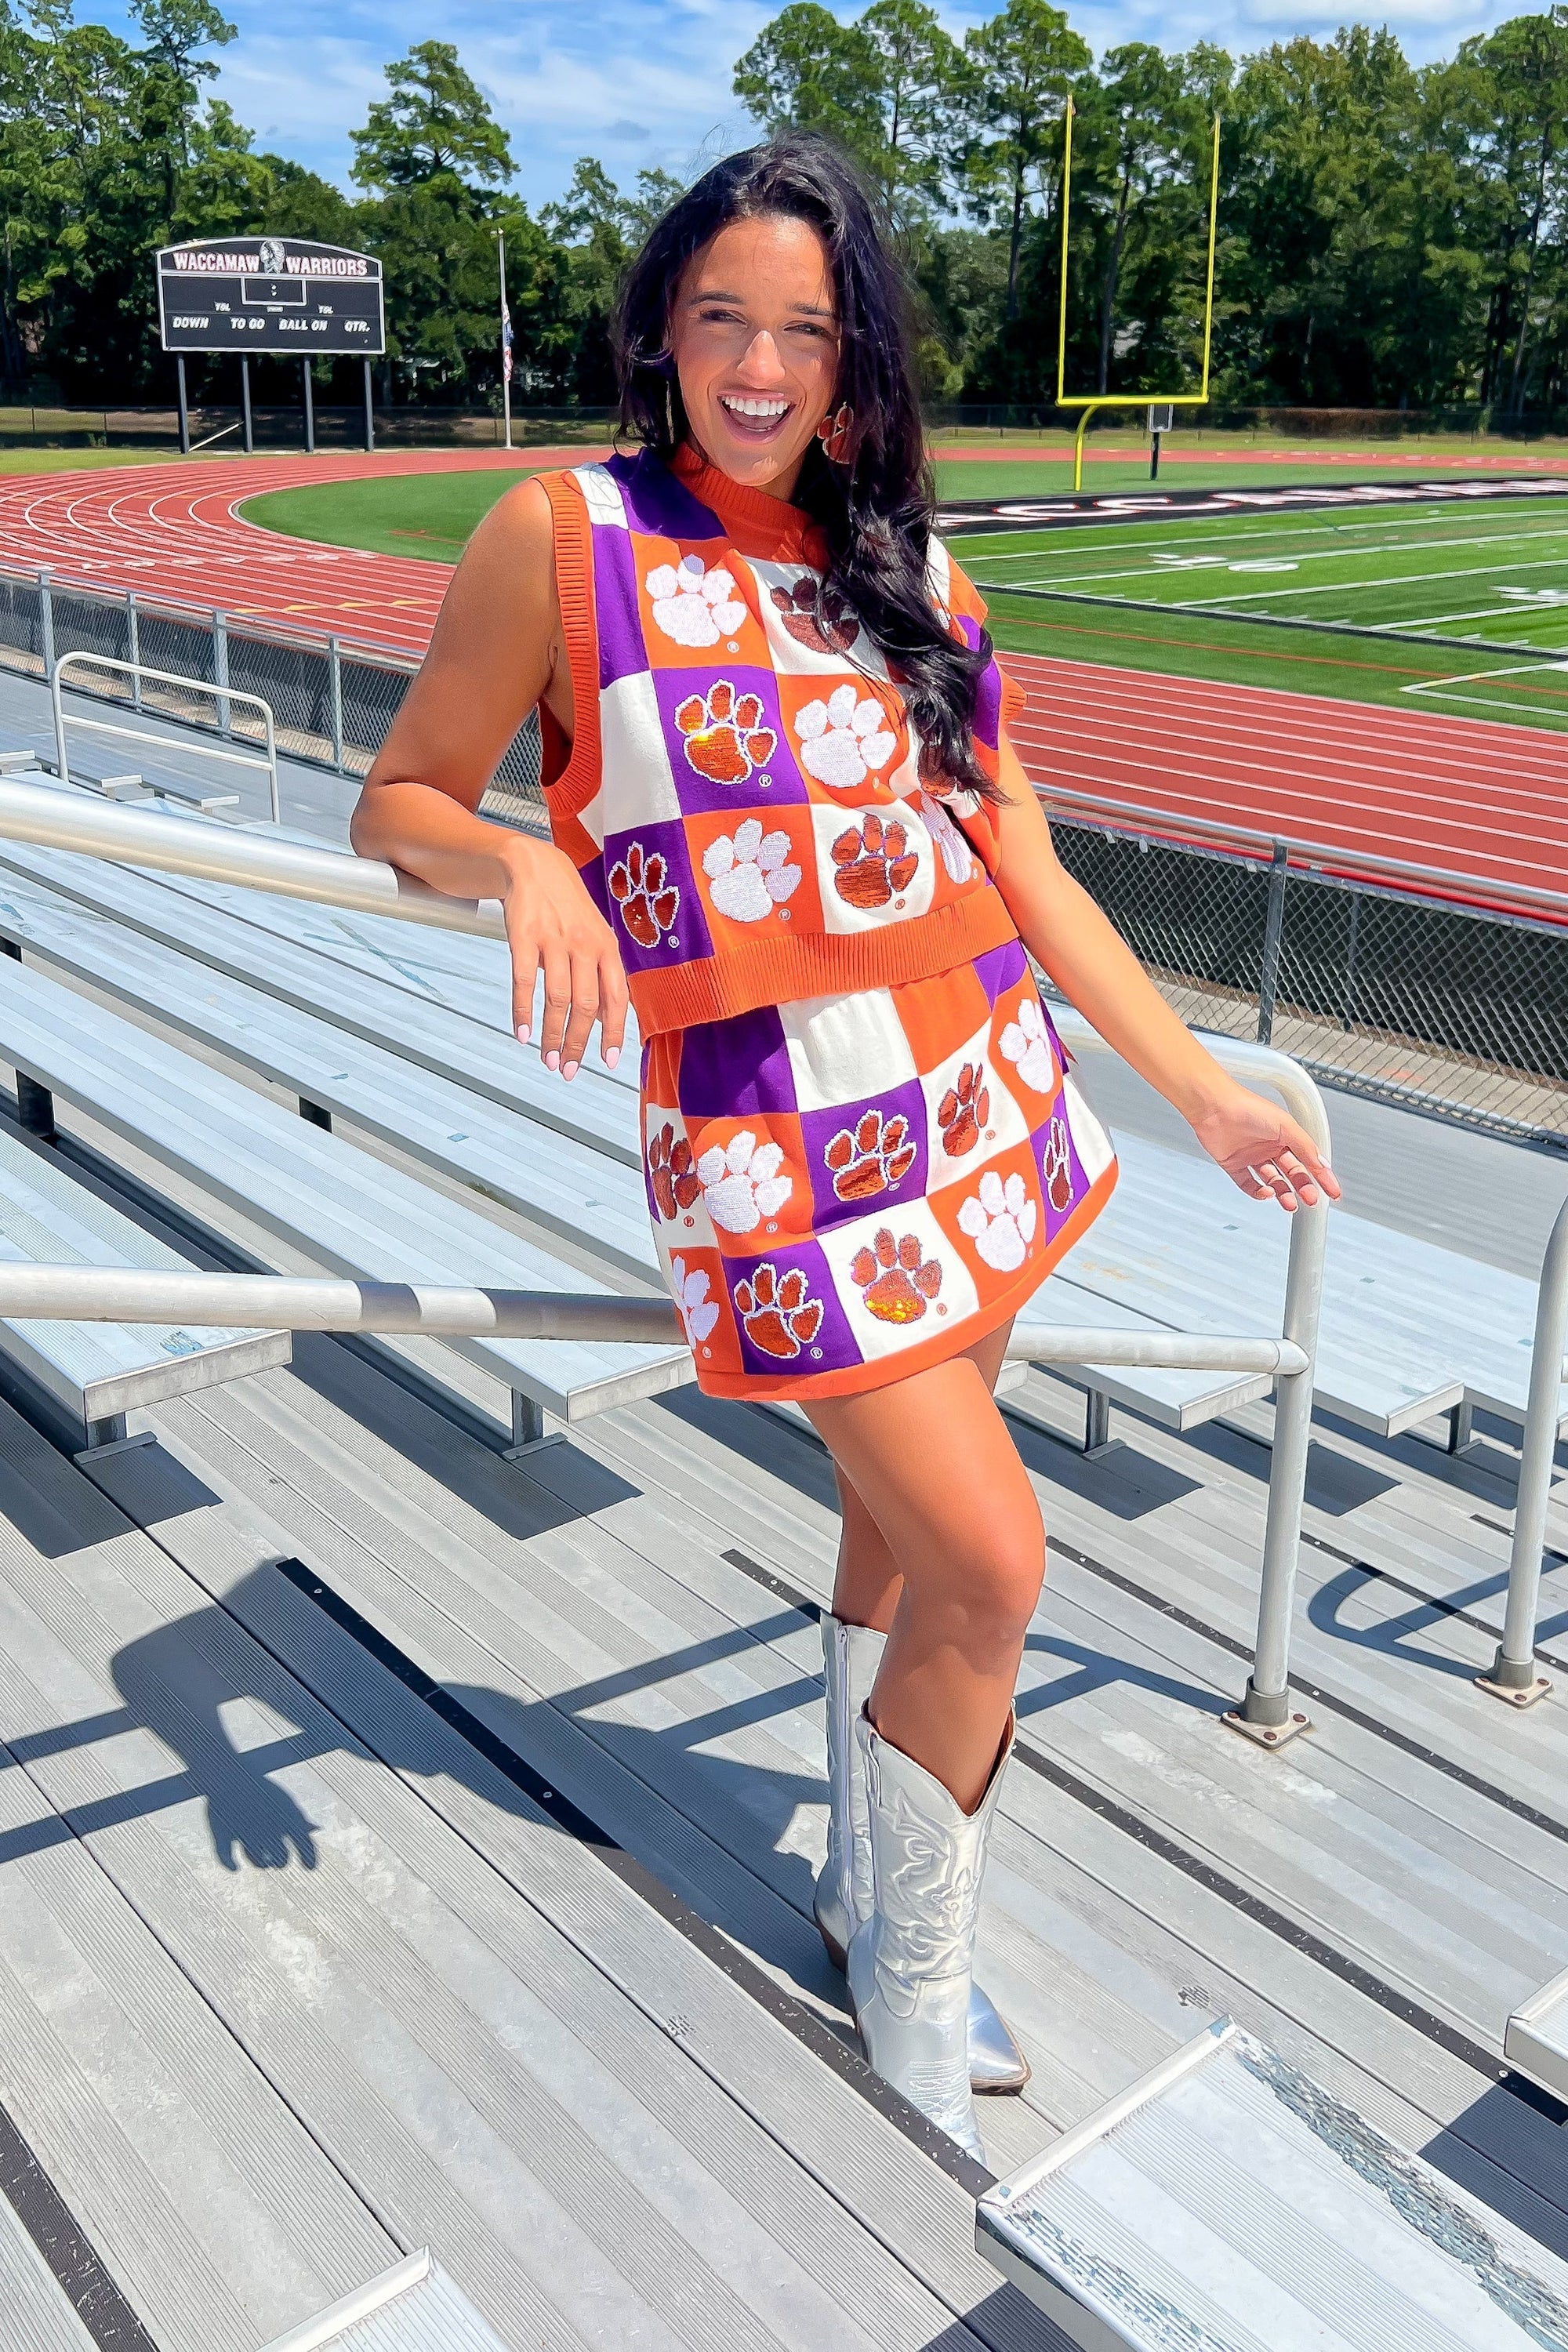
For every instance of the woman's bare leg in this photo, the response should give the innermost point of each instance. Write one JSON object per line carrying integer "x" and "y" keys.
{"x": 935, "y": 1495}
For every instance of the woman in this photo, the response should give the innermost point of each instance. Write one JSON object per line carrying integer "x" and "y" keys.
{"x": 783, "y": 800}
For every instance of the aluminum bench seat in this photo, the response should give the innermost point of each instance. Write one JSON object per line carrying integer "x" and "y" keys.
{"x": 550, "y": 1177}
{"x": 1228, "y": 2203}
{"x": 1409, "y": 1329}
{"x": 1175, "y": 1400}
{"x": 414, "y": 2306}
{"x": 342, "y": 1208}
{"x": 1535, "y": 2039}
{"x": 376, "y": 1002}
{"x": 97, "y": 1372}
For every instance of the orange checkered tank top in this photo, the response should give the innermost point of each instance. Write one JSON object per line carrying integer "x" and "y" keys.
{"x": 743, "y": 796}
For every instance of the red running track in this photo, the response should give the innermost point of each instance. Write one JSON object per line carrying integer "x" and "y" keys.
{"x": 172, "y": 531}
{"x": 1477, "y": 798}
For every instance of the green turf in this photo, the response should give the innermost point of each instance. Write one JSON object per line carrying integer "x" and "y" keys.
{"x": 1494, "y": 572}
{"x": 430, "y": 515}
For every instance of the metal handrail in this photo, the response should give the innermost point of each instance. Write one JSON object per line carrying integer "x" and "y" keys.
{"x": 136, "y": 671}
{"x": 1513, "y": 1676}
{"x": 135, "y": 837}
{"x": 280, "y": 1302}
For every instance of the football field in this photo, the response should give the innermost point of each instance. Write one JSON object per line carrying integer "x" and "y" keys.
{"x": 1471, "y": 598}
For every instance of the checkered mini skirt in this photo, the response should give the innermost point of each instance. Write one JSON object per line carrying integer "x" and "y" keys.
{"x": 847, "y": 1189}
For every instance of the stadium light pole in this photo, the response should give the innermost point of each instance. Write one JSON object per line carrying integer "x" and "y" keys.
{"x": 505, "y": 337}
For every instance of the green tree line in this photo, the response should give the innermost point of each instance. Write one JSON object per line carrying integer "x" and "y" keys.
{"x": 1388, "y": 234}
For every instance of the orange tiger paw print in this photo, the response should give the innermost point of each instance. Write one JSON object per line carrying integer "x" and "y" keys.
{"x": 870, "y": 1157}
{"x": 641, "y": 888}
{"x": 896, "y": 1283}
{"x": 779, "y": 1317}
{"x": 724, "y": 740}
{"x": 964, "y": 1110}
{"x": 874, "y": 861}
{"x": 675, "y": 1182}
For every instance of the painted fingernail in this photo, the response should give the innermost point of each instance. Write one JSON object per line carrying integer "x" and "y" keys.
{"x": 569, "y": 1070}
{"x": 612, "y": 1055}
{"x": 522, "y": 1033}
{"x": 553, "y": 1059}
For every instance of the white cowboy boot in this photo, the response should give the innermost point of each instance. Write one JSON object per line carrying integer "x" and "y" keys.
{"x": 852, "y": 1655}
{"x": 910, "y": 1963}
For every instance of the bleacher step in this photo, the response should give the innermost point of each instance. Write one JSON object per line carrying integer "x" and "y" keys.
{"x": 1229, "y": 2203}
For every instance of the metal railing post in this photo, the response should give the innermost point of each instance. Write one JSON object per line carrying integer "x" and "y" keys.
{"x": 1273, "y": 929}
{"x": 335, "y": 675}
{"x": 1513, "y": 1676}
{"x": 61, "y": 762}
{"x": 46, "y": 623}
{"x": 220, "y": 670}
{"x": 133, "y": 647}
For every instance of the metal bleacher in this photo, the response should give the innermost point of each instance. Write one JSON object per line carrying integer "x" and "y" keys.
{"x": 409, "y": 1847}
{"x": 1410, "y": 1331}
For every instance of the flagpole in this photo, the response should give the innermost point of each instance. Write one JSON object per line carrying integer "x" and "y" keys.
{"x": 505, "y": 339}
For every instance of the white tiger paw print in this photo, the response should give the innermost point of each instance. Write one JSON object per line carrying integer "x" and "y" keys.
{"x": 693, "y": 605}
{"x": 1000, "y": 1221}
{"x": 698, "y": 1312}
{"x": 741, "y": 1181}
{"x": 748, "y": 872}
{"x": 956, "y": 854}
{"x": 842, "y": 741}
{"x": 1026, "y": 1044}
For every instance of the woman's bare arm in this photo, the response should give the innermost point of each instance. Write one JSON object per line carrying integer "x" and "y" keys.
{"x": 1252, "y": 1138}
{"x": 497, "y": 652}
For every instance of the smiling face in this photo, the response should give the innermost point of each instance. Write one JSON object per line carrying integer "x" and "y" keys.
{"x": 754, "y": 334}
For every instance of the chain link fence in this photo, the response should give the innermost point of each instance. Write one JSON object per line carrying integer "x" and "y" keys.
{"x": 1413, "y": 999}
{"x": 333, "y": 699}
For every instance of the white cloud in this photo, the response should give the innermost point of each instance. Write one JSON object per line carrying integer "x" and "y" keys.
{"x": 647, "y": 82}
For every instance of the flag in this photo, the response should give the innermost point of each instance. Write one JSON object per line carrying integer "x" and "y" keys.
{"x": 506, "y": 343}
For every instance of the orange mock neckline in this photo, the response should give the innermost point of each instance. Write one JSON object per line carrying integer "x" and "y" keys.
{"x": 766, "y": 526}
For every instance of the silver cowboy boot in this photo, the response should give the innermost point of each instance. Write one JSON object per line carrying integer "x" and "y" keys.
{"x": 910, "y": 1963}
{"x": 852, "y": 1655}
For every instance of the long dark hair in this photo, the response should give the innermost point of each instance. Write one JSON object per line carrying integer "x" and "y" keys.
{"x": 877, "y": 509}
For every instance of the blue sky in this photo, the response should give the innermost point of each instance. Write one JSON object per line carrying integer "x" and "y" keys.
{"x": 640, "y": 82}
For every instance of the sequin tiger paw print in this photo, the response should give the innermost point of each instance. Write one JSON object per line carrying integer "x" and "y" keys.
{"x": 691, "y": 605}
{"x": 1000, "y": 1221}
{"x": 964, "y": 1110}
{"x": 647, "y": 899}
{"x": 816, "y": 616}
{"x": 845, "y": 740}
{"x": 1055, "y": 1165}
{"x": 873, "y": 863}
{"x": 896, "y": 1281}
{"x": 871, "y": 1156}
{"x": 724, "y": 739}
{"x": 779, "y": 1316}
{"x": 671, "y": 1172}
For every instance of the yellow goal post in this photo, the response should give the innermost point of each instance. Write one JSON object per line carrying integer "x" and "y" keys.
{"x": 1090, "y": 402}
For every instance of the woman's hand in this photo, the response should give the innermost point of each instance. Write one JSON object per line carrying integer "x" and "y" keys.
{"x": 553, "y": 926}
{"x": 1261, "y": 1147}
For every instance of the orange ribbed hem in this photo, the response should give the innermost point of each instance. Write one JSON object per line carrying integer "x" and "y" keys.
{"x": 579, "y": 780}
{"x": 828, "y": 964}
{"x": 941, "y": 1348}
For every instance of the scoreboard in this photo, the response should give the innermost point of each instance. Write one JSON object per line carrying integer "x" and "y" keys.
{"x": 274, "y": 294}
